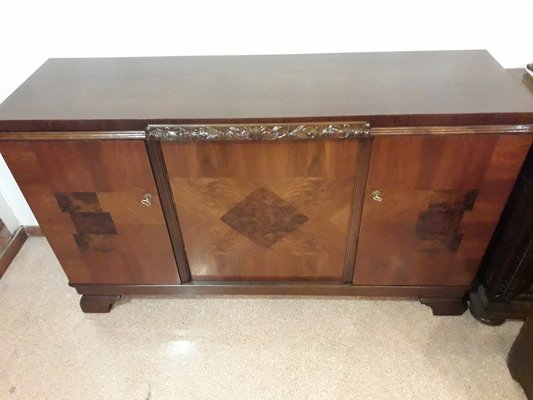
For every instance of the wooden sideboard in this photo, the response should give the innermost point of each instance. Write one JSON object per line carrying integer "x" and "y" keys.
{"x": 376, "y": 174}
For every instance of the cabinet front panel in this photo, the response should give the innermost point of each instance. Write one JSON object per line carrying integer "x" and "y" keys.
{"x": 441, "y": 198}
{"x": 264, "y": 211}
{"x": 87, "y": 199}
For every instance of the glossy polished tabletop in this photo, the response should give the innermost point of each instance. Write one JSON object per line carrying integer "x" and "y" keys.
{"x": 384, "y": 88}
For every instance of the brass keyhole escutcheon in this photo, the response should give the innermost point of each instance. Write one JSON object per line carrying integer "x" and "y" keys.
{"x": 376, "y": 196}
{"x": 147, "y": 200}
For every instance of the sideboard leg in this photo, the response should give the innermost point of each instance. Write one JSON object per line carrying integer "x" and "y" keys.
{"x": 445, "y": 306}
{"x": 97, "y": 304}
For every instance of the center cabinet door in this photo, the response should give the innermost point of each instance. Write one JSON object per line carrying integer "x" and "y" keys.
{"x": 431, "y": 206}
{"x": 264, "y": 210}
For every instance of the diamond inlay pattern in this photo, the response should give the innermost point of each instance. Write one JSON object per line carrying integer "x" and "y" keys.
{"x": 264, "y": 217}
{"x": 264, "y": 211}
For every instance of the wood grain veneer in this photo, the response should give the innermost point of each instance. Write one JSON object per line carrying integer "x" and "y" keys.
{"x": 86, "y": 197}
{"x": 274, "y": 211}
{"x": 442, "y": 198}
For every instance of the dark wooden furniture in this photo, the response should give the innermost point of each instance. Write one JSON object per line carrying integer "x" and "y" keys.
{"x": 505, "y": 281}
{"x": 520, "y": 359}
{"x": 338, "y": 174}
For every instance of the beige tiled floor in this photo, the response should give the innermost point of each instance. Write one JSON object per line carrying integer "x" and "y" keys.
{"x": 237, "y": 347}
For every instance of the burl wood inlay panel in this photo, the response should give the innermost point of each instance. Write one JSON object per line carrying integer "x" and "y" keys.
{"x": 442, "y": 198}
{"x": 264, "y": 211}
{"x": 438, "y": 226}
{"x": 264, "y": 217}
{"x": 94, "y": 226}
{"x": 86, "y": 197}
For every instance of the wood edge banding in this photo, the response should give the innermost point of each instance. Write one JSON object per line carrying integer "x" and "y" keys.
{"x": 273, "y": 288}
{"x": 73, "y": 135}
{"x": 33, "y": 230}
{"x": 363, "y": 164}
{"x": 159, "y": 169}
{"x": 453, "y": 130}
{"x": 374, "y": 131}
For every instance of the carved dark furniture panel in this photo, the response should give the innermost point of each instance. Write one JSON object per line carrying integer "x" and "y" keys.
{"x": 505, "y": 282}
{"x": 250, "y": 132}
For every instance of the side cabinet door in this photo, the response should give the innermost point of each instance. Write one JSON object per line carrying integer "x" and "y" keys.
{"x": 87, "y": 199}
{"x": 431, "y": 206}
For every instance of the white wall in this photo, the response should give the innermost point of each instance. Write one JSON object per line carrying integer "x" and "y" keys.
{"x": 33, "y": 30}
{"x": 7, "y": 216}
{"x": 14, "y": 211}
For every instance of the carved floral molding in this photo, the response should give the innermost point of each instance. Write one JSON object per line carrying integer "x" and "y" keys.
{"x": 331, "y": 130}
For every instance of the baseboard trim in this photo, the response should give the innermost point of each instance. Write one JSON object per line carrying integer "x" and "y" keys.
{"x": 33, "y": 230}
{"x": 272, "y": 288}
{"x": 12, "y": 249}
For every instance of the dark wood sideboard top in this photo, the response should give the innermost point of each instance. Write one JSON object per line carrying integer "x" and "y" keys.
{"x": 521, "y": 76}
{"x": 385, "y": 89}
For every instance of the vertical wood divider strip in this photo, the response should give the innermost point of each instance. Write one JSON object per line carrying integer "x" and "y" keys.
{"x": 363, "y": 164}
{"x": 159, "y": 169}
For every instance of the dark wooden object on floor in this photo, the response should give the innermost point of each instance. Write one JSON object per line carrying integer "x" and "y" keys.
{"x": 445, "y": 306}
{"x": 97, "y": 304}
{"x": 505, "y": 287}
{"x": 379, "y": 174}
{"x": 520, "y": 359}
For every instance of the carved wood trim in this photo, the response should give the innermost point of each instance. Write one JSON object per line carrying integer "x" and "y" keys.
{"x": 453, "y": 130}
{"x": 281, "y": 131}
